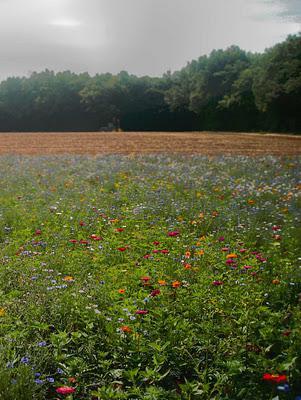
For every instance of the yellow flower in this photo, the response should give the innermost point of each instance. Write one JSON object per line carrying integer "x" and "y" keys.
{"x": 2, "y": 312}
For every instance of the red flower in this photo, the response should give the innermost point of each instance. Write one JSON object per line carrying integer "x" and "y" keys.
{"x": 38, "y": 232}
{"x": 119, "y": 229}
{"x": 274, "y": 378}
{"x": 145, "y": 278}
{"x": 65, "y": 390}
{"x": 156, "y": 243}
{"x": 122, "y": 248}
{"x": 95, "y": 237}
{"x": 141, "y": 312}
{"x": 155, "y": 292}
{"x": 73, "y": 241}
{"x": 217, "y": 283}
{"x": 146, "y": 256}
{"x": 82, "y": 223}
{"x": 82, "y": 241}
{"x": 173, "y": 233}
{"x": 164, "y": 251}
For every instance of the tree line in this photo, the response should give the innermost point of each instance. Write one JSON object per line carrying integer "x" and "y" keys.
{"x": 229, "y": 89}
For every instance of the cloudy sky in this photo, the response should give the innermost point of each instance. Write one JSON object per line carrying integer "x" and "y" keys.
{"x": 144, "y": 37}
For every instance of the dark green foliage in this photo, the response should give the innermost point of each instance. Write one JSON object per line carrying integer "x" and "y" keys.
{"x": 227, "y": 90}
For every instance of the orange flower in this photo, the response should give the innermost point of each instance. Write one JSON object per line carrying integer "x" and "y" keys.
{"x": 68, "y": 278}
{"x": 187, "y": 266}
{"x": 176, "y": 284}
{"x": 71, "y": 379}
{"x": 187, "y": 254}
{"x": 126, "y": 329}
{"x": 275, "y": 281}
{"x": 200, "y": 252}
{"x": 121, "y": 291}
{"x": 231, "y": 255}
{"x": 162, "y": 282}
{"x": 251, "y": 202}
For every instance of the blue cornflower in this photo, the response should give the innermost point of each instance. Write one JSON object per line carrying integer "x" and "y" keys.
{"x": 60, "y": 371}
{"x": 50, "y": 379}
{"x": 25, "y": 360}
{"x": 39, "y": 381}
{"x": 284, "y": 388}
{"x": 42, "y": 344}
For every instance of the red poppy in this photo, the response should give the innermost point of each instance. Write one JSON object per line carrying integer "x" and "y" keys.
{"x": 122, "y": 248}
{"x": 141, "y": 312}
{"x": 155, "y": 293}
{"x": 73, "y": 241}
{"x": 82, "y": 223}
{"x": 82, "y": 241}
{"x": 95, "y": 237}
{"x": 38, "y": 232}
{"x": 156, "y": 243}
{"x": 164, "y": 251}
{"x": 65, "y": 390}
{"x": 274, "y": 378}
{"x": 119, "y": 229}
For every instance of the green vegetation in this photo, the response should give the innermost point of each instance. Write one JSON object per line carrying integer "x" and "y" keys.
{"x": 227, "y": 90}
{"x": 150, "y": 278}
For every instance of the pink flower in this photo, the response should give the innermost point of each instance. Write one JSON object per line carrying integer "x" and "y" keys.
{"x": 141, "y": 312}
{"x": 65, "y": 390}
{"x": 247, "y": 266}
{"x": 221, "y": 239}
{"x": 173, "y": 233}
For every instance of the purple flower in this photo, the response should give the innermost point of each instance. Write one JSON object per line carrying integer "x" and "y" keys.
{"x": 39, "y": 381}
{"x": 42, "y": 344}
{"x": 50, "y": 379}
{"x": 25, "y": 360}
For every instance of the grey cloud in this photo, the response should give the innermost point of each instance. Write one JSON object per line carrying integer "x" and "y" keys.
{"x": 141, "y": 36}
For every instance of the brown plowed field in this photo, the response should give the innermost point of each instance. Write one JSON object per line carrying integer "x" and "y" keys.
{"x": 209, "y": 143}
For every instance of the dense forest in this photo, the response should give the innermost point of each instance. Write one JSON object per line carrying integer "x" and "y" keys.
{"x": 227, "y": 90}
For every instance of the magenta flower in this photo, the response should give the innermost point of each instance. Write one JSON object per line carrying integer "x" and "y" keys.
{"x": 217, "y": 283}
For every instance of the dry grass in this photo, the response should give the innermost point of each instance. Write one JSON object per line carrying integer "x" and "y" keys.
{"x": 94, "y": 143}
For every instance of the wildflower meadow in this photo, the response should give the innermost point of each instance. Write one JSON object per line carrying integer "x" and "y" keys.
{"x": 150, "y": 277}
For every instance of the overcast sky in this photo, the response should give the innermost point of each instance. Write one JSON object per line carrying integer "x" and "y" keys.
{"x": 144, "y": 37}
